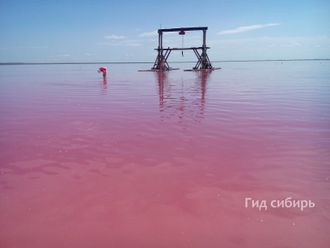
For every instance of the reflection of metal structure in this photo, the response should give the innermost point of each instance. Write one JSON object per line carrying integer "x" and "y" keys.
{"x": 182, "y": 101}
{"x": 203, "y": 61}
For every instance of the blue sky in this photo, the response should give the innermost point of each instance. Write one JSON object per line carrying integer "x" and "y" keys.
{"x": 87, "y": 30}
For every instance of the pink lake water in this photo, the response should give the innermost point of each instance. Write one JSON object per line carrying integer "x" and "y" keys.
{"x": 164, "y": 160}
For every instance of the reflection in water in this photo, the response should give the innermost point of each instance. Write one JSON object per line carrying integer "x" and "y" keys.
{"x": 162, "y": 80}
{"x": 182, "y": 99}
{"x": 104, "y": 85}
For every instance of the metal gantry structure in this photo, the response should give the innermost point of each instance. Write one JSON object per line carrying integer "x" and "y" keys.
{"x": 203, "y": 61}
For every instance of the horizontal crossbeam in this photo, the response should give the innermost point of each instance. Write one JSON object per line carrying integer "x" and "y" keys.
{"x": 180, "y": 49}
{"x": 181, "y": 29}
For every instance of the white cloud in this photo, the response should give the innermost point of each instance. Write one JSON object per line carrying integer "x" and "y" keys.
{"x": 119, "y": 40}
{"x": 243, "y": 29}
{"x": 63, "y": 55}
{"x": 127, "y": 43}
{"x": 268, "y": 47}
{"x": 149, "y": 34}
{"x": 155, "y": 33}
{"x": 279, "y": 41}
{"x": 114, "y": 37}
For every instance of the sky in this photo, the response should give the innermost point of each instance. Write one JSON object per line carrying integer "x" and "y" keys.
{"x": 97, "y": 30}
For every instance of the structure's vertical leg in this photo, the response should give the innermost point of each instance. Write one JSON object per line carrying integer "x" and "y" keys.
{"x": 158, "y": 58}
{"x": 203, "y": 50}
{"x": 205, "y": 63}
{"x": 160, "y": 51}
{"x": 160, "y": 63}
{"x": 157, "y": 61}
{"x": 204, "y": 39}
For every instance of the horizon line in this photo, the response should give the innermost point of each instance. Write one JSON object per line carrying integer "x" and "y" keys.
{"x": 150, "y": 62}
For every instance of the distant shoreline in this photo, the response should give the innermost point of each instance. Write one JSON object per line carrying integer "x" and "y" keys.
{"x": 150, "y": 62}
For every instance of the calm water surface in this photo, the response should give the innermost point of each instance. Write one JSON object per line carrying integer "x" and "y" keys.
{"x": 164, "y": 160}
